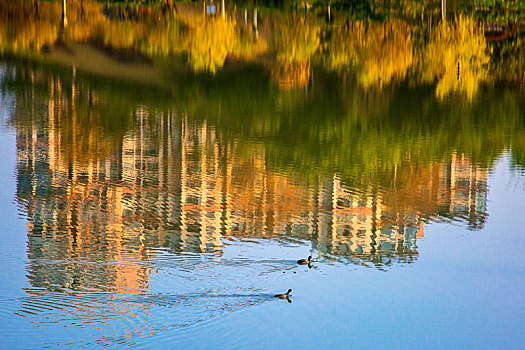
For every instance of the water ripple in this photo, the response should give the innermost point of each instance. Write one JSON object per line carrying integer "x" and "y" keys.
{"x": 112, "y": 319}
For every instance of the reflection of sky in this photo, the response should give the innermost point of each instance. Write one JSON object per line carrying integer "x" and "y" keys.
{"x": 13, "y": 229}
{"x": 465, "y": 291}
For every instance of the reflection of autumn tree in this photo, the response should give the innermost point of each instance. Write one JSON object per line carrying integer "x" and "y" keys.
{"x": 30, "y": 32}
{"x": 380, "y": 52}
{"x": 293, "y": 42}
{"x": 452, "y": 44}
{"x": 387, "y": 53}
{"x": 291, "y": 74}
{"x": 86, "y": 21}
{"x": 209, "y": 42}
{"x": 341, "y": 49}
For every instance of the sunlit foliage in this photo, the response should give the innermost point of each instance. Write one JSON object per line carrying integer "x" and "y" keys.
{"x": 379, "y": 52}
{"x": 86, "y": 22}
{"x": 206, "y": 41}
{"x": 209, "y": 42}
{"x": 293, "y": 43}
{"x": 289, "y": 45}
{"x": 457, "y": 57}
{"x": 291, "y": 74}
{"x": 34, "y": 31}
{"x": 293, "y": 40}
{"x": 386, "y": 53}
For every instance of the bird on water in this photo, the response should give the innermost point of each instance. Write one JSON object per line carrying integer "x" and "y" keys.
{"x": 305, "y": 261}
{"x": 283, "y": 296}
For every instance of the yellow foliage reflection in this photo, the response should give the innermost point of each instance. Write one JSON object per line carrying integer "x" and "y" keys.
{"x": 291, "y": 74}
{"x": 33, "y": 33}
{"x": 211, "y": 39}
{"x": 294, "y": 41}
{"x": 209, "y": 42}
{"x": 457, "y": 57}
{"x": 380, "y": 52}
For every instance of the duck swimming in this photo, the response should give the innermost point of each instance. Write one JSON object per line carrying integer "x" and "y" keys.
{"x": 305, "y": 261}
{"x": 283, "y": 296}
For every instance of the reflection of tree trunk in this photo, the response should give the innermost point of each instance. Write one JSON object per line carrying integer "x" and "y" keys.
{"x": 429, "y": 26}
{"x": 255, "y": 21}
{"x": 223, "y": 9}
{"x": 305, "y": 11}
{"x": 443, "y": 10}
{"x": 167, "y": 5}
{"x": 64, "y": 14}
{"x": 37, "y": 15}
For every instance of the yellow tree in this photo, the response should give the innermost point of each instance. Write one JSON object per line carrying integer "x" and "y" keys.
{"x": 293, "y": 40}
{"x": 456, "y": 57}
{"x": 293, "y": 43}
{"x": 210, "y": 40}
{"x": 379, "y": 52}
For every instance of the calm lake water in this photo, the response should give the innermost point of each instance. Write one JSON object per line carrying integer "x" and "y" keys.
{"x": 161, "y": 202}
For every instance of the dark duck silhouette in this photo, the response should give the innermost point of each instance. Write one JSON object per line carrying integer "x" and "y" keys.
{"x": 283, "y": 296}
{"x": 305, "y": 261}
